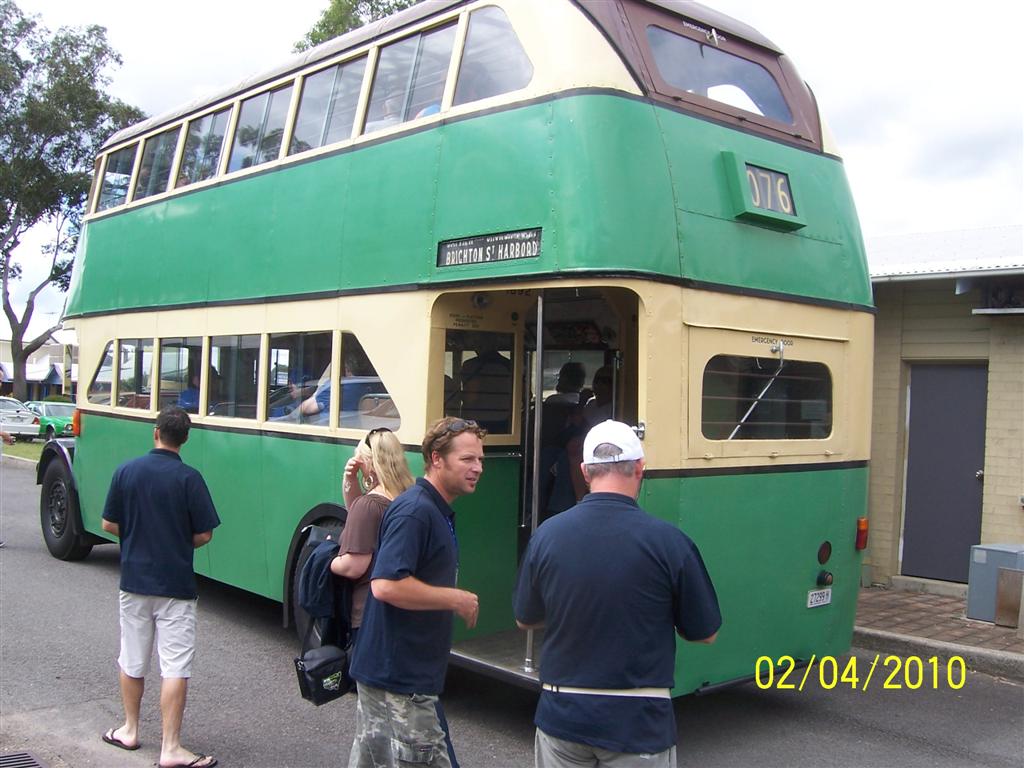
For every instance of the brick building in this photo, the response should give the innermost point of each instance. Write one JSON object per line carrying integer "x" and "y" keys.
{"x": 947, "y": 443}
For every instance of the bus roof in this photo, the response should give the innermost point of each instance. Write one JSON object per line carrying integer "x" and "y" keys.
{"x": 397, "y": 21}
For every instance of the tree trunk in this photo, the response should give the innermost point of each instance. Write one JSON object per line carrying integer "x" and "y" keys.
{"x": 20, "y": 383}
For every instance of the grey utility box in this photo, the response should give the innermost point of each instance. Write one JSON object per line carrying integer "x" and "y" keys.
{"x": 986, "y": 560}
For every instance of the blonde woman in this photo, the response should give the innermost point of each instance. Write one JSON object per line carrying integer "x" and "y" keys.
{"x": 373, "y": 477}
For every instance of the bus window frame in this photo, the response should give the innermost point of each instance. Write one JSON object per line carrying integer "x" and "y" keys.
{"x": 706, "y": 342}
{"x": 153, "y": 372}
{"x": 459, "y": 17}
{"x": 186, "y": 121}
{"x": 805, "y": 129}
{"x": 109, "y": 348}
{"x": 446, "y": 308}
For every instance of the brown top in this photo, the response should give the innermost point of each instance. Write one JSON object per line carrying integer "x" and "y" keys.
{"x": 359, "y": 537}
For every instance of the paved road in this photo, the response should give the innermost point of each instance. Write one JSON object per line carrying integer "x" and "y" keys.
{"x": 58, "y": 692}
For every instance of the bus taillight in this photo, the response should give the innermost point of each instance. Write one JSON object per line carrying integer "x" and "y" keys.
{"x": 76, "y": 423}
{"x": 862, "y": 533}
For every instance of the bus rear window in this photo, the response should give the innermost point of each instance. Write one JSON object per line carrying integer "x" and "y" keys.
{"x": 764, "y": 398}
{"x": 705, "y": 70}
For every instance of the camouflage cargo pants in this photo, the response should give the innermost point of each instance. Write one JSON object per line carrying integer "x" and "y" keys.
{"x": 394, "y": 730}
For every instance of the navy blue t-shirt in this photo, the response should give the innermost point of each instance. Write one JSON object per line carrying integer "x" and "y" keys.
{"x": 159, "y": 503}
{"x": 612, "y": 585}
{"x": 399, "y": 650}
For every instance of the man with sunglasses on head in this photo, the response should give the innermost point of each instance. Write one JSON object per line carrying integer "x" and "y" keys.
{"x": 401, "y": 653}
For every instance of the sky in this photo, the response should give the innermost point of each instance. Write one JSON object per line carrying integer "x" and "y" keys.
{"x": 923, "y": 98}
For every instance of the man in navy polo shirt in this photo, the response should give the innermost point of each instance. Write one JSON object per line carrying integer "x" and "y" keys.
{"x": 612, "y": 586}
{"x": 401, "y": 653}
{"x": 161, "y": 510}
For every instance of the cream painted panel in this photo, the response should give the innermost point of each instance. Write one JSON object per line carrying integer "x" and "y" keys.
{"x": 662, "y": 368}
{"x": 841, "y": 339}
{"x": 705, "y": 343}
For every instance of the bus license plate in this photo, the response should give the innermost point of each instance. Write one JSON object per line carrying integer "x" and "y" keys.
{"x": 819, "y": 597}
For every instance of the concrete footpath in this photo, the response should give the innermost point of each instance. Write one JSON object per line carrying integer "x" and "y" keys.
{"x": 906, "y": 623}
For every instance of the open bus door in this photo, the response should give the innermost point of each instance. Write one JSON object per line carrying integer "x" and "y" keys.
{"x": 537, "y": 392}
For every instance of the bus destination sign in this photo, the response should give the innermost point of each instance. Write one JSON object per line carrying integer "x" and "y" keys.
{"x": 487, "y": 249}
{"x": 770, "y": 190}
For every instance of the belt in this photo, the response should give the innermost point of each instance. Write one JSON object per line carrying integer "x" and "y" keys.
{"x": 644, "y": 693}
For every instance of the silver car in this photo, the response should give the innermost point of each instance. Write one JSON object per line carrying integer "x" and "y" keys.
{"x": 17, "y": 420}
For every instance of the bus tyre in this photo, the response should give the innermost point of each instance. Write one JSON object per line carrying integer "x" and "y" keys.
{"x": 59, "y": 515}
{"x": 301, "y": 619}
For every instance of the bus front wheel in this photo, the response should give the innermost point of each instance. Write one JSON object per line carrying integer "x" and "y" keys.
{"x": 59, "y": 515}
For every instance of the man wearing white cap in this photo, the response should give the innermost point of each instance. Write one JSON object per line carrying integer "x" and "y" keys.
{"x": 611, "y": 585}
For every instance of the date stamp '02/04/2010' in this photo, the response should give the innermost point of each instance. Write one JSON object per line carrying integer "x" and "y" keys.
{"x": 890, "y": 672}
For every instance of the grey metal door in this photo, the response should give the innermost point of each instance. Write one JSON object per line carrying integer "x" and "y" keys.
{"x": 944, "y": 470}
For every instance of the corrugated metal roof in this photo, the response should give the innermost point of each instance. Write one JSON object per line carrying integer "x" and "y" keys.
{"x": 929, "y": 255}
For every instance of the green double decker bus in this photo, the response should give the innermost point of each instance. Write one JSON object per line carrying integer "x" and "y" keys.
{"x": 439, "y": 213}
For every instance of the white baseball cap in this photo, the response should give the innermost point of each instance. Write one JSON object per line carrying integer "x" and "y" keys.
{"x": 615, "y": 433}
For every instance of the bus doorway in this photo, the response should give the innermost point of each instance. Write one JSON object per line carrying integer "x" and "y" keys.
{"x": 565, "y": 360}
{"x": 579, "y": 371}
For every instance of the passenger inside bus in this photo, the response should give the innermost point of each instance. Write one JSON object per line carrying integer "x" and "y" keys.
{"x": 600, "y": 406}
{"x": 486, "y": 385}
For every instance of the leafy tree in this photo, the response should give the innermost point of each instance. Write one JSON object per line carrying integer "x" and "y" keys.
{"x": 54, "y": 115}
{"x": 341, "y": 16}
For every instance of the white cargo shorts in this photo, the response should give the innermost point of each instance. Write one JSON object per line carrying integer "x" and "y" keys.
{"x": 170, "y": 620}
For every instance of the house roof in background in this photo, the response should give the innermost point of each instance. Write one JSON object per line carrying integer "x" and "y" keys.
{"x": 960, "y": 253}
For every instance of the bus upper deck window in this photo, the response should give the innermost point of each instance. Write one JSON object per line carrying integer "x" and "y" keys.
{"x": 203, "y": 146}
{"x": 707, "y": 71}
{"x": 327, "y": 109}
{"x": 157, "y": 158}
{"x": 494, "y": 61}
{"x": 117, "y": 177}
{"x": 260, "y": 129}
{"x": 410, "y": 78}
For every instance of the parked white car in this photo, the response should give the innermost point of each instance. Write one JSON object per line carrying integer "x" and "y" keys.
{"x": 17, "y": 420}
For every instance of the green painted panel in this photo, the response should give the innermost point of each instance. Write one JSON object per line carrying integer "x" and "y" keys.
{"x": 486, "y": 524}
{"x": 759, "y": 535}
{"x": 294, "y": 476}
{"x": 824, "y": 259}
{"x": 263, "y": 485}
{"x": 614, "y": 183}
